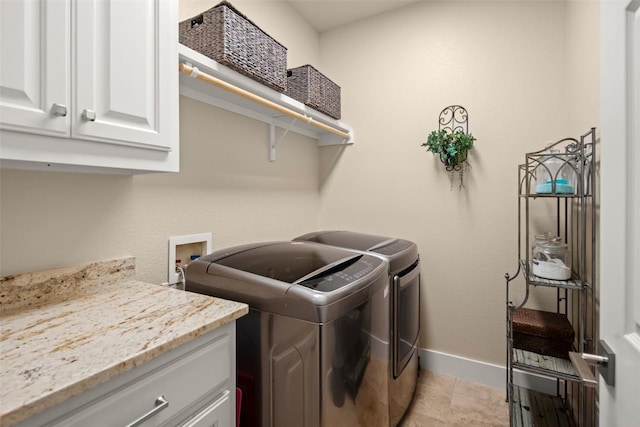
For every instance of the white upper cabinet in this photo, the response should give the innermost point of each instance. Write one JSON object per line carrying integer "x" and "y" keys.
{"x": 34, "y": 73}
{"x": 124, "y": 92}
{"x": 98, "y": 75}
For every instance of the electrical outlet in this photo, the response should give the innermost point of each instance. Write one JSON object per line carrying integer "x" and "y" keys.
{"x": 183, "y": 248}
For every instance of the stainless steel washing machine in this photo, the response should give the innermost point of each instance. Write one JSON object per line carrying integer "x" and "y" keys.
{"x": 306, "y": 351}
{"x": 401, "y": 306}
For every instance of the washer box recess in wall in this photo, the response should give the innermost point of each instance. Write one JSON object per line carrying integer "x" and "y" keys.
{"x": 183, "y": 248}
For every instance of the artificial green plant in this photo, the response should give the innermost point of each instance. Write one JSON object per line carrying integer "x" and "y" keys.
{"x": 452, "y": 148}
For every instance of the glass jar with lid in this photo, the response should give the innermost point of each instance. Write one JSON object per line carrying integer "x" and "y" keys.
{"x": 541, "y": 238}
{"x": 556, "y": 174}
{"x": 551, "y": 260}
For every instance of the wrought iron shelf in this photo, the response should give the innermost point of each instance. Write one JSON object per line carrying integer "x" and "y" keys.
{"x": 577, "y": 159}
{"x": 534, "y": 280}
{"x": 553, "y": 195}
{"x": 531, "y": 408}
{"x": 561, "y": 174}
{"x": 544, "y": 365}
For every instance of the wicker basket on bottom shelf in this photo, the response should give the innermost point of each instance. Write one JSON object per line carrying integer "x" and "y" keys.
{"x": 312, "y": 88}
{"x": 224, "y": 34}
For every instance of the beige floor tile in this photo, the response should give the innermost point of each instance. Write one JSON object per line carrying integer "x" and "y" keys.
{"x": 435, "y": 407}
{"x": 433, "y": 396}
{"x": 466, "y": 411}
{"x": 444, "y": 401}
{"x": 479, "y": 391}
{"x": 418, "y": 420}
{"x": 432, "y": 382}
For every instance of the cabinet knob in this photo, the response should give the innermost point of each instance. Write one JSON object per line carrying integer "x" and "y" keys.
{"x": 89, "y": 115}
{"x": 59, "y": 110}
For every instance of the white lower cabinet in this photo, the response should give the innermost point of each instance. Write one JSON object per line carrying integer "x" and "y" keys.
{"x": 89, "y": 84}
{"x": 193, "y": 385}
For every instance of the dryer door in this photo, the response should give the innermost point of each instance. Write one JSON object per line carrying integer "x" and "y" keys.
{"x": 406, "y": 316}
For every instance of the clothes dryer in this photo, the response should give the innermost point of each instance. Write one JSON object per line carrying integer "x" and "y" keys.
{"x": 400, "y": 306}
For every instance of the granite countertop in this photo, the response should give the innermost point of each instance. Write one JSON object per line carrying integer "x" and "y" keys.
{"x": 66, "y": 330}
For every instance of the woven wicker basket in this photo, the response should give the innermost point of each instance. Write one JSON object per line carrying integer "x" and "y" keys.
{"x": 545, "y": 346}
{"x": 224, "y": 34}
{"x": 309, "y": 86}
{"x": 542, "y": 332}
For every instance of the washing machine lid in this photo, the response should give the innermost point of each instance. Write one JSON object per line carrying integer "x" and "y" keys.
{"x": 358, "y": 241}
{"x": 304, "y": 280}
{"x": 298, "y": 263}
{"x": 346, "y": 239}
{"x": 399, "y": 253}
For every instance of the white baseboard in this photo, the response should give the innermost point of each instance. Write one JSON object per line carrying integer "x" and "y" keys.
{"x": 482, "y": 372}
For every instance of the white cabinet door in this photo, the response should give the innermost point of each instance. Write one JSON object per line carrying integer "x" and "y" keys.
{"x": 121, "y": 67}
{"x": 34, "y": 71}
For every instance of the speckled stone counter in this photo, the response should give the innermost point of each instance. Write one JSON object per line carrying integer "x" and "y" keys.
{"x": 66, "y": 330}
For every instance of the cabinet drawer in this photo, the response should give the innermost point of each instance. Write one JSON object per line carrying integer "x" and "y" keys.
{"x": 199, "y": 374}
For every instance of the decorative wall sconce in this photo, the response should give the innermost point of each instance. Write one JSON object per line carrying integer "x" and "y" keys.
{"x": 452, "y": 141}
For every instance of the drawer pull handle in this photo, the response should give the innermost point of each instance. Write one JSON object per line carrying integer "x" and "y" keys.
{"x": 161, "y": 403}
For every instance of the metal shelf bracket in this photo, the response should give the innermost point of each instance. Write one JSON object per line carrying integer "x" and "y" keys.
{"x": 273, "y": 143}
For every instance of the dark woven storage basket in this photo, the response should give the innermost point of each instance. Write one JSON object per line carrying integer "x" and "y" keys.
{"x": 224, "y": 34}
{"x": 542, "y": 332}
{"x": 309, "y": 86}
{"x": 545, "y": 346}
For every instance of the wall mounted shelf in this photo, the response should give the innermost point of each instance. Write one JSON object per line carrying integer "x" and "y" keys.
{"x": 205, "y": 80}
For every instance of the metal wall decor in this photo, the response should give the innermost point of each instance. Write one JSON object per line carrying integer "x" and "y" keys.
{"x": 454, "y": 118}
{"x": 452, "y": 141}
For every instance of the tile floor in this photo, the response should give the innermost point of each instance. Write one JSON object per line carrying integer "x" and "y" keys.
{"x": 441, "y": 400}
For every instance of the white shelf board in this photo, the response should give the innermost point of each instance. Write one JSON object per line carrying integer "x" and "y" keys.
{"x": 209, "y": 94}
